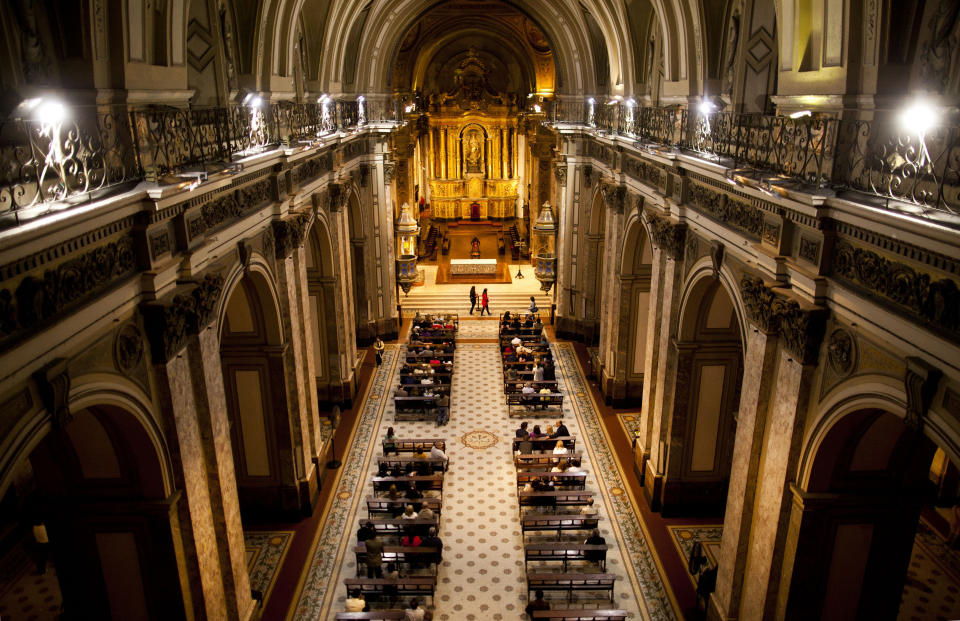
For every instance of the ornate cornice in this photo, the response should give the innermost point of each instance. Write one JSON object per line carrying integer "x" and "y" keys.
{"x": 935, "y": 303}
{"x": 801, "y": 328}
{"x": 668, "y": 236}
{"x": 729, "y": 211}
{"x": 166, "y": 326}
{"x": 206, "y": 296}
{"x": 339, "y": 193}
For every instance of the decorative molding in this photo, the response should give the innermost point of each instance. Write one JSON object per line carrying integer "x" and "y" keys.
{"x": 244, "y": 250}
{"x": 727, "y": 210}
{"x": 53, "y": 384}
{"x": 206, "y": 296}
{"x": 166, "y": 326}
{"x": 588, "y": 175}
{"x": 668, "y": 236}
{"x": 615, "y": 196}
{"x": 644, "y": 171}
{"x": 935, "y": 303}
{"x": 128, "y": 348}
{"x": 560, "y": 170}
{"x": 267, "y": 243}
{"x": 809, "y": 250}
{"x": 37, "y": 301}
{"x": 339, "y": 194}
{"x": 920, "y": 383}
{"x": 801, "y": 329}
{"x": 288, "y": 234}
{"x": 159, "y": 244}
{"x": 312, "y": 168}
{"x": 951, "y": 403}
{"x": 771, "y": 234}
{"x": 842, "y": 352}
{"x": 716, "y": 257}
{"x": 389, "y": 170}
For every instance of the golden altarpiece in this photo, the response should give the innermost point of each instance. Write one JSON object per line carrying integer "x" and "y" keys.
{"x": 472, "y": 147}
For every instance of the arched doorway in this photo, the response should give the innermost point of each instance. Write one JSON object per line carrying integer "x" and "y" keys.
{"x": 854, "y": 519}
{"x": 365, "y": 326}
{"x": 699, "y": 433}
{"x": 262, "y": 432}
{"x": 104, "y": 496}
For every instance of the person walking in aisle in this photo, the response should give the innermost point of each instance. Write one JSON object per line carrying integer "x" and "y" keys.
{"x": 473, "y": 299}
{"x": 378, "y": 348}
{"x": 484, "y": 303}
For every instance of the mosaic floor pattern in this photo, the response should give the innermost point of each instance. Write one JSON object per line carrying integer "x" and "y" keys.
{"x": 482, "y": 575}
{"x": 265, "y": 551}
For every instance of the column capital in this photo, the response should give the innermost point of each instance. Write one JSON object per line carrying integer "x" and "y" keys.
{"x": 801, "y": 327}
{"x": 667, "y": 235}
{"x": 188, "y": 312}
{"x": 920, "y": 383}
{"x": 288, "y": 234}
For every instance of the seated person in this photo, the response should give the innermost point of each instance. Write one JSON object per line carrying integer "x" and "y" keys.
{"x": 536, "y": 433}
{"x": 561, "y": 431}
{"x": 426, "y": 514}
{"x": 511, "y": 374}
{"x": 366, "y": 531}
{"x": 437, "y": 453}
{"x": 595, "y": 539}
{"x": 527, "y": 391}
{"x": 506, "y": 317}
{"x": 413, "y": 493}
{"x": 533, "y": 305}
{"x": 516, "y": 341}
{"x": 431, "y": 540}
{"x": 537, "y": 604}
{"x": 522, "y": 431}
{"x": 559, "y": 449}
{"x": 544, "y": 401}
{"x": 401, "y": 392}
{"x": 355, "y": 603}
{"x": 414, "y": 612}
{"x": 573, "y": 465}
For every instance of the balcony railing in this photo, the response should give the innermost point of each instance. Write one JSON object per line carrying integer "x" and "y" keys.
{"x": 102, "y": 149}
{"x": 874, "y": 158}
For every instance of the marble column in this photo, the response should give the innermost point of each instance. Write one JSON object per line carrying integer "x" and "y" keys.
{"x": 652, "y": 357}
{"x": 744, "y": 471}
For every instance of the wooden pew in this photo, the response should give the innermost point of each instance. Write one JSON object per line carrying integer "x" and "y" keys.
{"x": 426, "y": 358}
{"x": 566, "y": 480}
{"x": 416, "y": 390}
{"x": 379, "y": 588}
{"x": 435, "y": 463}
{"x": 581, "y": 614}
{"x": 519, "y": 403}
{"x": 432, "y": 482}
{"x": 395, "y": 528}
{"x": 571, "y": 582}
{"x": 559, "y": 498}
{"x": 404, "y": 445}
{"x": 389, "y": 507}
{"x": 515, "y": 387}
{"x": 401, "y": 555}
{"x": 415, "y": 408}
{"x": 558, "y": 523}
{"x": 547, "y": 444}
{"x": 564, "y": 553}
{"x": 374, "y": 615}
{"x": 543, "y": 459}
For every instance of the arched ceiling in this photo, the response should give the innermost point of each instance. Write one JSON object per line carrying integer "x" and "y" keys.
{"x": 352, "y": 44}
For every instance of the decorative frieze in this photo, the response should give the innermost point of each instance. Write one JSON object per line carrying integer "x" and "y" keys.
{"x": 668, "y": 236}
{"x": 735, "y": 213}
{"x": 771, "y": 234}
{"x": 38, "y": 300}
{"x": 159, "y": 244}
{"x": 644, "y": 171}
{"x": 934, "y": 302}
{"x": 312, "y": 169}
{"x": 809, "y": 250}
{"x": 758, "y": 299}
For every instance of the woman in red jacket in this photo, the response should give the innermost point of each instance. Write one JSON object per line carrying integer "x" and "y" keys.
{"x": 484, "y": 303}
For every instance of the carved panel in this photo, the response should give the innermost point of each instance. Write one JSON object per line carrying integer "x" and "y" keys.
{"x": 128, "y": 348}
{"x": 771, "y": 234}
{"x": 809, "y": 250}
{"x": 935, "y": 303}
{"x": 842, "y": 352}
{"x": 920, "y": 384}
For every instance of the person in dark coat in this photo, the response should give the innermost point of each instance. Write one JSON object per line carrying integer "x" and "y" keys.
{"x": 473, "y": 299}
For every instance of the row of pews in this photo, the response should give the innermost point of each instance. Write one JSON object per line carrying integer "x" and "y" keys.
{"x": 408, "y": 477}
{"x": 426, "y": 376}
{"x": 529, "y": 373}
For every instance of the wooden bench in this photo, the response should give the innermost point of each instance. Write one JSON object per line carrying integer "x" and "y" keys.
{"x": 376, "y": 505}
{"x": 582, "y": 614}
{"x": 426, "y": 358}
{"x": 415, "y": 408}
{"x": 570, "y": 583}
{"x": 515, "y": 387}
{"x": 546, "y": 444}
{"x": 558, "y": 523}
{"x": 568, "y": 480}
{"x": 433, "y": 482}
{"x": 406, "y": 445}
{"x": 381, "y": 588}
{"x": 560, "y": 498}
{"x": 520, "y": 403}
{"x": 398, "y": 527}
{"x": 415, "y": 390}
{"x": 526, "y": 460}
{"x": 401, "y": 555}
{"x": 435, "y": 463}
{"x": 374, "y": 615}
{"x": 565, "y": 552}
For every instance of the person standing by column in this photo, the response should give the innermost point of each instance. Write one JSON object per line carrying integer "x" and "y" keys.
{"x": 378, "y": 348}
{"x": 473, "y": 299}
{"x": 484, "y": 303}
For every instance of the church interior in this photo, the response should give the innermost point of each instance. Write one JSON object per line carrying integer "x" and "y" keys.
{"x": 480, "y": 309}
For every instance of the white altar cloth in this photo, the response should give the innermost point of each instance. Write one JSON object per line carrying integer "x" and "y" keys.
{"x": 473, "y": 266}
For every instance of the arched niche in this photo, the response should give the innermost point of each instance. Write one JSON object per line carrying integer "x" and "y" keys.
{"x": 103, "y": 495}
{"x": 855, "y": 513}
{"x": 322, "y": 289}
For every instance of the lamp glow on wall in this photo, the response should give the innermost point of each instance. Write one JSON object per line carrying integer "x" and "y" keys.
{"x": 361, "y": 110}
{"x": 545, "y": 242}
{"x": 590, "y": 111}
{"x": 406, "y": 232}
{"x": 916, "y": 119}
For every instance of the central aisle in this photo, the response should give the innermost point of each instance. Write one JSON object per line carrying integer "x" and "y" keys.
{"x": 482, "y": 575}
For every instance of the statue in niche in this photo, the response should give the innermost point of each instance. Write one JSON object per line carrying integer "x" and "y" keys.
{"x": 36, "y": 68}
{"x": 226, "y": 34}
{"x": 650, "y": 65}
{"x": 936, "y": 54}
{"x": 733, "y": 36}
{"x": 473, "y": 152}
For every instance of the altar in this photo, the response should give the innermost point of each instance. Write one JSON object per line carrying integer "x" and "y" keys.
{"x": 471, "y": 267}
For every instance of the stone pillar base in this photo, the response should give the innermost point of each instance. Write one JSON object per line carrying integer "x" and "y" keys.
{"x": 652, "y": 486}
{"x": 614, "y": 390}
{"x": 310, "y": 489}
{"x": 273, "y": 501}
{"x": 714, "y": 613}
{"x": 583, "y": 330}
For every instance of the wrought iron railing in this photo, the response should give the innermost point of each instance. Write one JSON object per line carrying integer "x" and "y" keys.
{"x": 875, "y": 158}
{"x": 100, "y": 149}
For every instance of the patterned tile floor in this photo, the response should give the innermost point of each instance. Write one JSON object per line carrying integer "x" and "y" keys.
{"x": 265, "y": 551}
{"x": 482, "y": 575}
